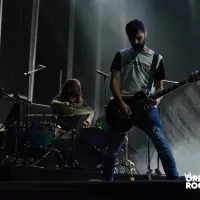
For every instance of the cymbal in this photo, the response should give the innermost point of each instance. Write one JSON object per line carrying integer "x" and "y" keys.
{"x": 81, "y": 110}
{"x": 12, "y": 96}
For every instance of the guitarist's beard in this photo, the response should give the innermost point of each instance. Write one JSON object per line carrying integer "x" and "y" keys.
{"x": 139, "y": 47}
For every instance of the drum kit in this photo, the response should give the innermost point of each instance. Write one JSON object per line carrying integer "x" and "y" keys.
{"x": 49, "y": 146}
{"x": 46, "y": 144}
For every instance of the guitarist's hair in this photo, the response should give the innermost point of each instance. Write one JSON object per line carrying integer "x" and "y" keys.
{"x": 134, "y": 26}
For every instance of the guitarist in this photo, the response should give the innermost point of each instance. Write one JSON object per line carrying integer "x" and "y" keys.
{"x": 132, "y": 69}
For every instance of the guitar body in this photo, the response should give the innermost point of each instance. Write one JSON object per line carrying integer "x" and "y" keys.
{"x": 138, "y": 107}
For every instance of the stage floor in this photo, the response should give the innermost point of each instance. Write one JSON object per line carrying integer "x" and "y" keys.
{"x": 27, "y": 182}
{"x": 32, "y": 173}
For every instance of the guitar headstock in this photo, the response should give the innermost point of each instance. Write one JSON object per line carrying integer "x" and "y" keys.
{"x": 194, "y": 77}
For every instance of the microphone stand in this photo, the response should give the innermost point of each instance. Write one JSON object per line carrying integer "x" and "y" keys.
{"x": 105, "y": 93}
{"x": 27, "y": 108}
{"x": 105, "y": 105}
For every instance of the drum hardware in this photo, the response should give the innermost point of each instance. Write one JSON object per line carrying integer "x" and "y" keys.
{"x": 39, "y": 142}
{"x": 53, "y": 151}
{"x": 127, "y": 161}
{"x": 86, "y": 149}
{"x": 128, "y": 164}
{"x": 73, "y": 162}
{"x": 70, "y": 135}
{"x": 12, "y": 97}
{"x": 124, "y": 165}
{"x": 12, "y": 157}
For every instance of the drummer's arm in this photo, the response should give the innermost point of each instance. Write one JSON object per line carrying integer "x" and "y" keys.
{"x": 90, "y": 117}
{"x": 66, "y": 107}
{"x": 63, "y": 107}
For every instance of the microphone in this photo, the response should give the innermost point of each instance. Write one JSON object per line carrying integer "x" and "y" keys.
{"x": 102, "y": 73}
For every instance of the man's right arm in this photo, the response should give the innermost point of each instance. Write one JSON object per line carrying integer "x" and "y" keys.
{"x": 114, "y": 85}
{"x": 115, "y": 70}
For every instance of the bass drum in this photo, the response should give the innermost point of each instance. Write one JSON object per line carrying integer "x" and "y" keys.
{"x": 40, "y": 137}
{"x": 90, "y": 146}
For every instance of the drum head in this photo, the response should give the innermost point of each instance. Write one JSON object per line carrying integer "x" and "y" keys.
{"x": 95, "y": 137}
{"x": 40, "y": 134}
{"x": 89, "y": 148}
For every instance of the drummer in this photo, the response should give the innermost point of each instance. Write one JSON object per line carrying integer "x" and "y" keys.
{"x": 73, "y": 112}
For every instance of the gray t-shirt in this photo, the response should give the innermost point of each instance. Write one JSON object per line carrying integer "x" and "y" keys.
{"x": 135, "y": 70}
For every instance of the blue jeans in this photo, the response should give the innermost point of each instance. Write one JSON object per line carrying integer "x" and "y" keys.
{"x": 151, "y": 125}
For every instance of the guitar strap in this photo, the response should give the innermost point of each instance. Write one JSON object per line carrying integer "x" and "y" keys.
{"x": 152, "y": 72}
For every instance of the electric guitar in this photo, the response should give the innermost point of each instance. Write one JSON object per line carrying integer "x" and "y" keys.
{"x": 139, "y": 104}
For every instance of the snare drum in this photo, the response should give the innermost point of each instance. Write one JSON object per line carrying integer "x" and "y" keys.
{"x": 102, "y": 124}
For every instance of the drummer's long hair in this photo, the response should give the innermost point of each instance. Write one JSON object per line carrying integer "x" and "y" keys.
{"x": 65, "y": 91}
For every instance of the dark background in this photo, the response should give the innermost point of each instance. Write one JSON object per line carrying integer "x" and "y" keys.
{"x": 173, "y": 31}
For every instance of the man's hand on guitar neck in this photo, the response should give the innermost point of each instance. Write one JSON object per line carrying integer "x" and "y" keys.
{"x": 154, "y": 102}
{"x": 158, "y": 88}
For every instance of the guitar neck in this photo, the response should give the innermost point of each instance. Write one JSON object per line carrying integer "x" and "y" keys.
{"x": 169, "y": 89}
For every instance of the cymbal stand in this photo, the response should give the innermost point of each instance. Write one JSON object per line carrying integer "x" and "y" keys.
{"x": 149, "y": 170}
{"x": 70, "y": 161}
{"x": 73, "y": 162}
{"x": 3, "y": 93}
{"x": 129, "y": 163}
{"x": 105, "y": 90}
